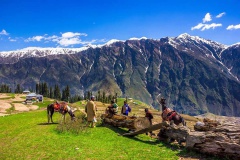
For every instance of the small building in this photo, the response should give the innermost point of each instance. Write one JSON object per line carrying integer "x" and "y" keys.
{"x": 34, "y": 97}
{"x": 40, "y": 97}
{"x": 26, "y": 92}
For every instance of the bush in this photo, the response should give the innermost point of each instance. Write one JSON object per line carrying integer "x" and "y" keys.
{"x": 75, "y": 127}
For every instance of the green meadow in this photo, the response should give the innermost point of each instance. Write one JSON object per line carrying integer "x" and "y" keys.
{"x": 27, "y": 136}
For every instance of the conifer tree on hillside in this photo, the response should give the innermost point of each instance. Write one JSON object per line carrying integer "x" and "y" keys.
{"x": 66, "y": 93}
{"x": 5, "y": 89}
{"x": 57, "y": 93}
{"x": 104, "y": 97}
{"x": 18, "y": 89}
{"x": 37, "y": 88}
{"x": 45, "y": 91}
{"x": 99, "y": 96}
{"x": 51, "y": 94}
{"x": 115, "y": 97}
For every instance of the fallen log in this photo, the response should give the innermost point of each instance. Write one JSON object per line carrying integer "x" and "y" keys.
{"x": 224, "y": 140}
{"x": 218, "y": 140}
{"x": 145, "y": 130}
{"x": 209, "y": 137}
{"x": 130, "y": 122}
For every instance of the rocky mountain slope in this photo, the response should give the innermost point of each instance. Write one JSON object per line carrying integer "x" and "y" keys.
{"x": 194, "y": 75}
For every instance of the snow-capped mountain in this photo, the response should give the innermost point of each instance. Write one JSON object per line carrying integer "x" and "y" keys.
{"x": 182, "y": 40}
{"x": 194, "y": 74}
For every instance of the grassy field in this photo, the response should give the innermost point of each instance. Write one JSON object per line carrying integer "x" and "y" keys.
{"x": 27, "y": 136}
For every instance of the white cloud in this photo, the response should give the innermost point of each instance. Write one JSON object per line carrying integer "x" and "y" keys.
{"x": 220, "y": 15}
{"x": 35, "y": 38}
{"x": 69, "y": 41}
{"x": 4, "y": 32}
{"x": 232, "y": 27}
{"x": 71, "y": 34}
{"x": 209, "y": 26}
{"x": 207, "y": 18}
{"x": 66, "y": 39}
{"x": 199, "y": 26}
{"x": 206, "y": 26}
{"x": 11, "y": 40}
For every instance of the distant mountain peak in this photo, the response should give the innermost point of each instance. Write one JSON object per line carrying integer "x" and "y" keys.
{"x": 184, "y": 35}
{"x": 109, "y": 43}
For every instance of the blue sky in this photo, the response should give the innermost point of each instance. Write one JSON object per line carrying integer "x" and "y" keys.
{"x": 76, "y": 23}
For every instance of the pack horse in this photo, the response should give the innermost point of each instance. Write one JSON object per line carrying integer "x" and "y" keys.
{"x": 62, "y": 108}
{"x": 171, "y": 115}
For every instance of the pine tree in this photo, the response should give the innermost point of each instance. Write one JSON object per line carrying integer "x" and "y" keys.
{"x": 18, "y": 89}
{"x": 116, "y": 97}
{"x": 88, "y": 95}
{"x": 67, "y": 92}
{"x": 57, "y": 93}
{"x": 45, "y": 91}
{"x": 51, "y": 94}
{"x": 37, "y": 88}
{"x": 104, "y": 97}
{"x": 99, "y": 96}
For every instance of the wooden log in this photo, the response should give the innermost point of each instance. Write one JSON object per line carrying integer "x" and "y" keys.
{"x": 219, "y": 140}
{"x": 133, "y": 123}
{"x": 145, "y": 130}
{"x": 224, "y": 140}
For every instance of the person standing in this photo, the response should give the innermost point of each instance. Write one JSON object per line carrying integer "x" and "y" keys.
{"x": 149, "y": 115}
{"x": 90, "y": 109}
{"x": 125, "y": 109}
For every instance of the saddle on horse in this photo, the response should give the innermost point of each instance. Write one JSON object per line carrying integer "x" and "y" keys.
{"x": 61, "y": 107}
{"x": 171, "y": 115}
{"x": 166, "y": 113}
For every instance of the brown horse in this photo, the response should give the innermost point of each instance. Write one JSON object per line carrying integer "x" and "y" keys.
{"x": 62, "y": 108}
{"x": 172, "y": 116}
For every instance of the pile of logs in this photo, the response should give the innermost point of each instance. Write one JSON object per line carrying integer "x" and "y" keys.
{"x": 209, "y": 137}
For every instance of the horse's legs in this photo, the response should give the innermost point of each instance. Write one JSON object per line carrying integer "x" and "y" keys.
{"x": 48, "y": 115}
{"x": 63, "y": 118}
{"x": 51, "y": 114}
{"x": 183, "y": 121}
{"x": 50, "y": 111}
{"x": 71, "y": 115}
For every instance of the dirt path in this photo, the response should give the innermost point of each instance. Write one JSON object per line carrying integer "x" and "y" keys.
{"x": 14, "y": 104}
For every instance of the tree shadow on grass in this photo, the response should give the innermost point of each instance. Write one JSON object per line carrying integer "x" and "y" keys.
{"x": 121, "y": 131}
{"x": 183, "y": 152}
{"x": 47, "y": 123}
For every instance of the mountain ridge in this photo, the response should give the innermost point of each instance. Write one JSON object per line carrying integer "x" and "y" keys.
{"x": 195, "y": 75}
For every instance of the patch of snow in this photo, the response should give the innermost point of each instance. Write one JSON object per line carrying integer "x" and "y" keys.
{"x": 160, "y": 51}
{"x": 146, "y": 69}
{"x": 41, "y": 52}
{"x": 109, "y": 43}
{"x": 91, "y": 66}
{"x": 173, "y": 43}
{"x": 134, "y": 38}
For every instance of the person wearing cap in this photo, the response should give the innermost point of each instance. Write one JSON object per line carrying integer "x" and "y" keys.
{"x": 149, "y": 115}
{"x": 125, "y": 109}
{"x": 90, "y": 109}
